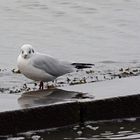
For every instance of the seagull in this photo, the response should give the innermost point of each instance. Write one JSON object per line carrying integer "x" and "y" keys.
{"x": 44, "y": 68}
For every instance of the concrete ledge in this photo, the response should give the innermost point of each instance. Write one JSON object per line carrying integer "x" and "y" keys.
{"x": 39, "y": 118}
{"x": 58, "y": 115}
{"x": 114, "y": 108}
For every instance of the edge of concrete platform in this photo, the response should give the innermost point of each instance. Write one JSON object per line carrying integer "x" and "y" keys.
{"x": 42, "y": 117}
{"x": 64, "y": 114}
{"x": 113, "y": 108}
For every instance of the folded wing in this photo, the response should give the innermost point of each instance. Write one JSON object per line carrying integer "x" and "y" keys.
{"x": 51, "y": 65}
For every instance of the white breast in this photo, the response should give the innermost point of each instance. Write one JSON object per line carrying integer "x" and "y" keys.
{"x": 25, "y": 66}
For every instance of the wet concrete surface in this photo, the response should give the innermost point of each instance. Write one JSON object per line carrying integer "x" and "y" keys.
{"x": 41, "y": 109}
{"x": 60, "y": 114}
{"x": 86, "y": 92}
{"x": 11, "y": 102}
{"x": 50, "y": 97}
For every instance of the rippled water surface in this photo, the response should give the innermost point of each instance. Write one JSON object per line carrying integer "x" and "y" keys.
{"x": 127, "y": 129}
{"x": 83, "y": 31}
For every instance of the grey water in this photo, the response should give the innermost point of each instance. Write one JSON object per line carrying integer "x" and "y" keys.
{"x": 127, "y": 129}
{"x": 82, "y": 31}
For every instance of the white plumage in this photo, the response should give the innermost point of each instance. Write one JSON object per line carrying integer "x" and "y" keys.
{"x": 41, "y": 67}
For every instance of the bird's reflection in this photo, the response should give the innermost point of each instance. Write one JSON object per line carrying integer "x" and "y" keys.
{"x": 49, "y": 96}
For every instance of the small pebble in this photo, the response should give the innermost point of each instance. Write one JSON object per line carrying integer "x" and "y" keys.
{"x": 79, "y": 133}
{"x": 121, "y": 128}
{"x": 35, "y": 137}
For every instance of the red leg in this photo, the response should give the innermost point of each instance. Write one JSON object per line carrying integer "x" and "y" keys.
{"x": 41, "y": 85}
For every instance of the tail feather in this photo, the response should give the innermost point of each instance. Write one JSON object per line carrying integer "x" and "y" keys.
{"x": 82, "y": 65}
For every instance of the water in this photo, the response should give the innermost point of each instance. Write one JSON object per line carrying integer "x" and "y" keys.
{"x": 96, "y": 31}
{"x": 126, "y": 129}
{"x": 83, "y": 31}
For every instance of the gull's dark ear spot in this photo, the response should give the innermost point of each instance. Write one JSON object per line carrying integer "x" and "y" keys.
{"x": 32, "y": 50}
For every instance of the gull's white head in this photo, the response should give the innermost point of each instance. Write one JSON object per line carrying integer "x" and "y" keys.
{"x": 27, "y": 51}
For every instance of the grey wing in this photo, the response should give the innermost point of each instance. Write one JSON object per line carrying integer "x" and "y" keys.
{"x": 51, "y": 65}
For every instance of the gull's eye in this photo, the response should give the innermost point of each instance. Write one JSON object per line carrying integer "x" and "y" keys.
{"x": 22, "y": 52}
{"x": 30, "y": 52}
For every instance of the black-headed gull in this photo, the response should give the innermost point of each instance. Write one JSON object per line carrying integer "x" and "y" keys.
{"x": 42, "y": 67}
